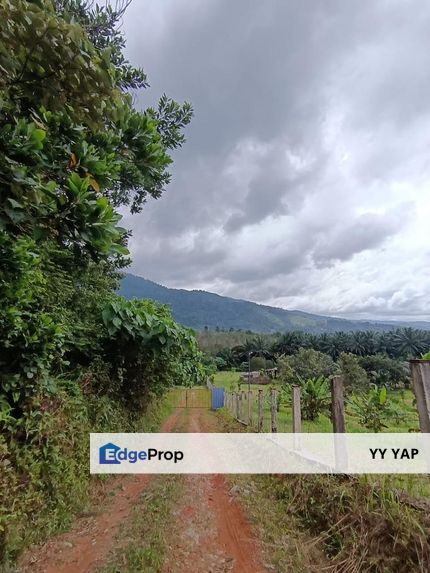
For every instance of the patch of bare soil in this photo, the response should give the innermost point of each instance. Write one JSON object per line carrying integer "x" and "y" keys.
{"x": 84, "y": 548}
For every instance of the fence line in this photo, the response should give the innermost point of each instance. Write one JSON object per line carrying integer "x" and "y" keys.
{"x": 248, "y": 406}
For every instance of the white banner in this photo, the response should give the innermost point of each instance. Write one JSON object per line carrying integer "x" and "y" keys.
{"x": 177, "y": 453}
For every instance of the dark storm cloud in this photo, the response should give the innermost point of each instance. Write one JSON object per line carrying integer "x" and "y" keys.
{"x": 309, "y": 136}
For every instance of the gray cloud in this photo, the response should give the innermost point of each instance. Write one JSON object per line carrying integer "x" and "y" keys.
{"x": 367, "y": 231}
{"x": 306, "y": 156}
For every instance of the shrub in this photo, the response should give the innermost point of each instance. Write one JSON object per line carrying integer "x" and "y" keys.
{"x": 315, "y": 397}
{"x": 148, "y": 351}
{"x": 373, "y": 409}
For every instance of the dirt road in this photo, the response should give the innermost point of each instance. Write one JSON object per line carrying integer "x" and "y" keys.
{"x": 210, "y": 531}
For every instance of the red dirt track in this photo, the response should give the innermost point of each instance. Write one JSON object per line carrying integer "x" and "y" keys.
{"x": 211, "y": 532}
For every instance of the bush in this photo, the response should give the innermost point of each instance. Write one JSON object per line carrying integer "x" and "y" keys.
{"x": 148, "y": 351}
{"x": 373, "y": 408}
{"x": 44, "y": 460}
{"x": 315, "y": 398}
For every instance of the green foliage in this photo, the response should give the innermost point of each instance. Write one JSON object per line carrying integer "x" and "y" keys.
{"x": 44, "y": 476}
{"x": 354, "y": 376}
{"x": 74, "y": 357}
{"x": 306, "y": 363}
{"x": 30, "y": 338}
{"x": 315, "y": 397}
{"x": 72, "y": 147}
{"x": 257, "y": 363}
{"x": 385, "y": 371}
{"x": 373, "y": 408}
{"x": 148, "y": 350}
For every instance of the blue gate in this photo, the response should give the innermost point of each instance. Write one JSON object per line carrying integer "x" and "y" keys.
{"x": 217, "y": 397}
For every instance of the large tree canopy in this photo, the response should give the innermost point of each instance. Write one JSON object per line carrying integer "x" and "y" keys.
{"x": 72, "y": 149}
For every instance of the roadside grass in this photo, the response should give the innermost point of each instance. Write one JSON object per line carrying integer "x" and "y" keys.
{"x": 158, "y": 410}
{"x": 142, "y": 540}
{"x": 50, "y": 487}
{"x": 285, "y": 544}
{"x": 364, "y": 526}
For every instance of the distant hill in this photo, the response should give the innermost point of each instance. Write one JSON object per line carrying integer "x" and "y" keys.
{"x": 198, "y": 309}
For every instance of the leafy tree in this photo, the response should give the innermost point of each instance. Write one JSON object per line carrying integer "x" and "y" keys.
{"x": 384, "y": 371}
{"x": 289, "y": 343}
{"x": 354, "y": 376}
{"x": 257, "y": 363}
{"x": 72, "y": 149}
{"x": 305, "y": 364}
{"x": 332, "y": 344}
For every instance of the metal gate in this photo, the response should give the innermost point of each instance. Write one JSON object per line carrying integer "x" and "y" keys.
{"x": 191, "y": 398}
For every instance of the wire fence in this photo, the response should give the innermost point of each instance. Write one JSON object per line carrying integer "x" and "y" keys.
{"x": 269, "y": 410}
{"x": 256, "y": 408}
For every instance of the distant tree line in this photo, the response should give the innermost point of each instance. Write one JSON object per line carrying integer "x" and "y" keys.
{"x": 232, "y": 350}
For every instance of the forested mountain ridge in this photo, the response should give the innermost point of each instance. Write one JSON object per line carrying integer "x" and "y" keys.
{"x": 199, "y": 309}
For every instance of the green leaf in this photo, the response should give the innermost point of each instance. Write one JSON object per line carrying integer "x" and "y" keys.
{"x": 38, "y": 134}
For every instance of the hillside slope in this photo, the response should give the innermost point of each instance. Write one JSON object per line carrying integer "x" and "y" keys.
{"x": 200, "y": 308}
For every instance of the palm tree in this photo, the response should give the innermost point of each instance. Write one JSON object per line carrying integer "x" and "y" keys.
{"x": 289, "y": 343}
{"x": 410, "y": 342}
{"x": 334, "y": 344}
{"x": 357, "y": 343}
{"x": 369, "y": 342}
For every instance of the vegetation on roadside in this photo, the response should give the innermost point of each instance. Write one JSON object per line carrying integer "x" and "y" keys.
{"x": 364, "y": 526}
{"x": 74, "y": 356}
{"x": 376, "y": 384}
{"x": 284, "y": 541}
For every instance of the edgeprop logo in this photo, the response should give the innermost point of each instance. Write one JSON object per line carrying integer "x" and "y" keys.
{"x": 112, "y": 454}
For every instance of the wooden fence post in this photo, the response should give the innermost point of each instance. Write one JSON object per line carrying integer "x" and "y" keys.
{"x": 236, "y": 394}
{"x": 297, "y": 412}
{"x": 337, "y": 405}
{"x": 420, "y": 370}
{"x": 273, "y": 395}
{"x": 338, "y": 421}
{"x": 260, "y": 410}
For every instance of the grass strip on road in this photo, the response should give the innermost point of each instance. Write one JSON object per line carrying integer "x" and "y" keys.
{"x": 142, "y": 540}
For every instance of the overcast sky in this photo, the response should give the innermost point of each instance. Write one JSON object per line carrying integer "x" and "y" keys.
{"x": 305, "y": 179}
